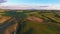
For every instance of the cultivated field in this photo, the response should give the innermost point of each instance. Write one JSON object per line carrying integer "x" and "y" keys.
{"x": 30, "y": 21}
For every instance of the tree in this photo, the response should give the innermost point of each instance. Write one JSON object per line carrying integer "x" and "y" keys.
{"x": 19, "y": 16}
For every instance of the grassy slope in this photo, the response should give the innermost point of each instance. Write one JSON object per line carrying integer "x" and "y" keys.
{"x": 43, "y": 28}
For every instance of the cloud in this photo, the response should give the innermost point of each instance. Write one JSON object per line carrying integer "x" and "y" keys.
{"x": 2, "y": 1}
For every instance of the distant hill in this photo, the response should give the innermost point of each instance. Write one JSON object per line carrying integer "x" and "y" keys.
{"x": 26, "y": 7}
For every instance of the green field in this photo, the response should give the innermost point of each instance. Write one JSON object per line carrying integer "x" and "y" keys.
{"x": 50, "y": 24}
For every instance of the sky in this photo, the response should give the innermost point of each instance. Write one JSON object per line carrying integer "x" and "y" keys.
{"x": 32, "y": 2}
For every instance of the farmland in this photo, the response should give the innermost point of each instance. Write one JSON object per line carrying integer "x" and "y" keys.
{"x": 31, "y": 21}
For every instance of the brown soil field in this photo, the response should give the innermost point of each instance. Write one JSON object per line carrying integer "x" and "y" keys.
{"x": 3, "y": 19}
{"x": 35, "y": 19}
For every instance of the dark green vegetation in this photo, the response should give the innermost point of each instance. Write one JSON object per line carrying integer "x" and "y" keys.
{"x": 51, "y": 24}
